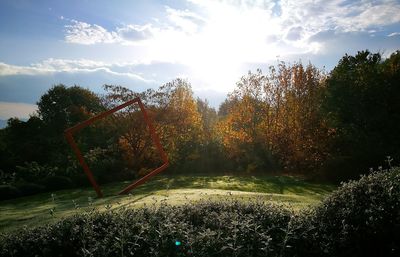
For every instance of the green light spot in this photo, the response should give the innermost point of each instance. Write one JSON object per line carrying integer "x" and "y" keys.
{"x": 177, "y": 243}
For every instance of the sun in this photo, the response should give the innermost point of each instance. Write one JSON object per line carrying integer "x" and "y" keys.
{"x": 215, "y": 57}
{"x": 217, "y": 54}
{"x": 216, "y": 65}
{"x": 217, "y": 51}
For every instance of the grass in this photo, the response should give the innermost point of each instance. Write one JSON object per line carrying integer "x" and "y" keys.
{"x": 49, "y": 207}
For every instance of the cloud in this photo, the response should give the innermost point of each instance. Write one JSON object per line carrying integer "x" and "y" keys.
{"x": 269, "y": 28}
{"x": 394, "y": 34}
{"x": 66, "y": 65}
{"x": 29, "y": 89}
{"x": 88, "y": 34}
{"x": 185, "y": 20}
{"x": 294, "y": 33}
{"x": 18, "y": 110}
{"x": 53, "y": 66}
{"x": 131, "y": 33}
{"x": 27, "y": 83}
{"x": 216, "y": 38}
{"x": 341, "y": 15}
{"x": 8, "y": 70}
{"x": 376, "y": 15}
{"x": 79, "y": 32}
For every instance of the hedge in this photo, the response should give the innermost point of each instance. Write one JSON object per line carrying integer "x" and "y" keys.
{"x": 362, "y": 218}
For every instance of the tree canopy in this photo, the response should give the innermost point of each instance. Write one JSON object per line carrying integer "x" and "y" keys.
{"x": 293, "y": 117}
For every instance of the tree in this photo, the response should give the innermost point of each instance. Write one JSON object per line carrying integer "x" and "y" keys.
{"x": 127, "y": 130}
{"x": 240, "y": 128}
{"x": 23, "y": 142}
{"x": 208, "y": 117}
{"x": 179, "y": 120}
{"x": 176, "y": 118}
{"x": 299, "y": 127}
{"x": 62, "y": 107}
{"x": 362, "y": 103}
{"x": 275, "y": 118}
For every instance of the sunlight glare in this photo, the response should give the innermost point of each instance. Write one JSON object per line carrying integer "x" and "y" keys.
{"x": 231, "y": 38}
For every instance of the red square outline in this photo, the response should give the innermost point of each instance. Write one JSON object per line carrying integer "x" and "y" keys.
{"x": 69, "y": 136}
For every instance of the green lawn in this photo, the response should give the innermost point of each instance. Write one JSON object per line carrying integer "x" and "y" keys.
{"x": 49, "y": 207}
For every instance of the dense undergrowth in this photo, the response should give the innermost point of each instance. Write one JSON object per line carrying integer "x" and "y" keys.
{"x": 361, "y": 218}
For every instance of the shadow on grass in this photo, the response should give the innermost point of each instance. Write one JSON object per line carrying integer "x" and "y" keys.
{"x": 39, "y": 209}
{"x": 270, "y": 184}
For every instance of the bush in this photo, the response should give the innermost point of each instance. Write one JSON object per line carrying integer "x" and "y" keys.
{"x": 30, "y": 188}
{"x": 205, "y": 229}
{"x": 32, "y": 171}
{"x": 80, "y": 180}
{"x": 8, "y": 192}
{"x": 362, "y": 218}
{"x": 53, "y": 183}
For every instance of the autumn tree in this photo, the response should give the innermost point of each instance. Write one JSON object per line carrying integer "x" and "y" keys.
{"x": 208, "y": 116}
{"x": 275, "y": 118}
{"x": 241, "y": 128}
{"x": 177, "y": 121}
{"x": 299, "y": 128}
{"x": 127, "y": 131}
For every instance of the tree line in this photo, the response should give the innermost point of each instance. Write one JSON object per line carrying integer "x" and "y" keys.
{"x": 294, "y": 118}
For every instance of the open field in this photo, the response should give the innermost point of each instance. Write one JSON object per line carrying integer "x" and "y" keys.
{"x": 49, "y": 207}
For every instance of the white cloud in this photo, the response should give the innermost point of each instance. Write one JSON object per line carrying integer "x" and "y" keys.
{"x": 7, "y": 70}
{"x": 215, "y": 45}
{"x": 261, "y": 29}
{"x": 79, "y": 32}
{"x": 50, "y": 66}
{"x": 88, "y": 34}
{"x": 394, "y": 34}
{"x": 185, "y": 20}
{"x": 19, "y": 110}
{"x": 341, "y": 15}
{"x": 371, "y": 16}
{"x": 294, "y": 33}
{"x": 217, "y": 38}
{"x": 132, "y": 33}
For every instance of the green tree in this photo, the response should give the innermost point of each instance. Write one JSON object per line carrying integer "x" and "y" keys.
{"x": 40, "y": 139}
{"x": 362, "y": 103}
{"x": 23, "y": 142}
{"x": 62, "y": 107}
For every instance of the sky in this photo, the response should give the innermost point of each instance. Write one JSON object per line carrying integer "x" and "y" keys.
{"x": 144, "y": 44}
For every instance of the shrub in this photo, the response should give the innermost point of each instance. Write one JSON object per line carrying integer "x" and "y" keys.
{"x": 57, "y": 182}
{"x": 361, "y": 218}
{"x": 80, "y": 180}
{"x": 32, "y": 171}
{"x": 204, "y": 229}
{"x": 30, "y": 188}
{"x": 8, "y": 192}
{"x": 7, "y": 178}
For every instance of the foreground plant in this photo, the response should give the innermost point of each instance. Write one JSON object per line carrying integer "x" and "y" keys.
{"x": 362, "y": 218}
